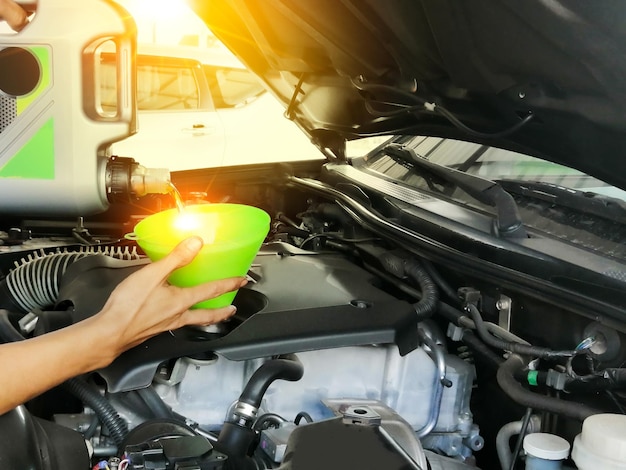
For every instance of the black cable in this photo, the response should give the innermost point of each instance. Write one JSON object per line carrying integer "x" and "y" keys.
{"x": 302, "y": 415}
{"x": 336, "y": 236}
{"x": 106, "y": 413}
{"x": 400, "y": 265}
{"x": 519, "y": 348}
{"x": 616, "y": 402}
{"x": 427, "y": 305}
{"x": 445, "y": 287}
{"x": 379, "y": 113}
{"x": 520, "y": 437}
{"x": 482, "y": 135}
{"x": 424, "y": 104}
{"x": 91, "y": 430}
{"x": 514, "y": 390}
{"x": 271, "y": 418}
{"x": 293, "y": 231}
{"x": 283, "y": 218}
{"x": 488, "y": 356}
{"x": 292, "y": 102}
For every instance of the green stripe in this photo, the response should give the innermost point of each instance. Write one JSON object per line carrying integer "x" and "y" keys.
{"x": 532, "y": 377}
{"x": 35, "y": 160}
{"x": 43, "y": 55}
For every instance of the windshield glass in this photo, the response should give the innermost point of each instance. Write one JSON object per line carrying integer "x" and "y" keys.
{"x": 494, "y": 164}
{"x": 552, "y": 200}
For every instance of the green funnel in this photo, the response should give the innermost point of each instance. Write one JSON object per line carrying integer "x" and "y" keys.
{"x": 232, "y": 234}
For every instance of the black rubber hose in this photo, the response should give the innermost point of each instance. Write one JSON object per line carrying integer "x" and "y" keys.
{"x": 453, "y": 315}
{"x": 153, "y": 401}
{"x": 91, "y": 430}
{"x": 482, "y": 350}
{"x": 106, "y": 413}
{"x": 268, "y": 419}
{"x": 520, "y": 438}
{"x": 303, "y": 415}
{"x": 425, "y": 308}
{"x": 506, "y": 380}
{"x": 296, "y": 232}
{"x": 334, "y": 212}
{"x": 81, "y": 390}
{"x": 286, "y": 367}
{"x": 604, "y": 380}
{"x": 518, "y": 348}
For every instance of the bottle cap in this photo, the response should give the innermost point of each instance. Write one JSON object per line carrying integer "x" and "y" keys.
{"x": 546, "y": 446}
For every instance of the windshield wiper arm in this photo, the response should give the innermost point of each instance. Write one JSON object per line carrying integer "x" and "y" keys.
{"x": 508, "y": 223}
{"x": 587, "y": 202}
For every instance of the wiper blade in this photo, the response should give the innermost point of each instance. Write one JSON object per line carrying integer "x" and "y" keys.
{"x": 587, "y": 202}
{"x": 508, "y": 223}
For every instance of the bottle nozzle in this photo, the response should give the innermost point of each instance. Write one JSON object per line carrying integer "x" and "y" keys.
{"x": 149, "y": 180}
{"x": 125, "y": 178}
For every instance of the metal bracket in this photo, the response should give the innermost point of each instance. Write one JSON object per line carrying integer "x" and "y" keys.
{"x": 362, "y": 416}
{"x": 503, "y": 304}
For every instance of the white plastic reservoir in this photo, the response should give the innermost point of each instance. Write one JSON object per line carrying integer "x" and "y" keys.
{"x": 545, "y": 451}
{"x": 602, "y": 443}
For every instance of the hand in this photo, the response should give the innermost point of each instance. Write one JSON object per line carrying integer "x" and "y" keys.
{"x": 13, "y": 14}
{"x": 144, "y": 304}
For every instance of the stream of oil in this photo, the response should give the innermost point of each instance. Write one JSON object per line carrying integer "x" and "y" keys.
{"x": 178, "y": 200}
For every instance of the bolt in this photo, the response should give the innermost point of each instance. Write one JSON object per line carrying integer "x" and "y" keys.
{"x": 503, "y": 304}
{"x": 521, "y": 95}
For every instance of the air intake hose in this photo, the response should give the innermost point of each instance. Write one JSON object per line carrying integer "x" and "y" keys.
{"x": 238, "y": 434}
{"x": 35, "y": 283}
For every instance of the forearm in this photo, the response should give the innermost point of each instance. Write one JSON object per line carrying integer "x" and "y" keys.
{"x": 141, "y": 306}
{"x": 38, "y": 364}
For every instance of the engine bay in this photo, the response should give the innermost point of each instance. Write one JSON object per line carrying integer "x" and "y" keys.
{"x": 348, "y": 349}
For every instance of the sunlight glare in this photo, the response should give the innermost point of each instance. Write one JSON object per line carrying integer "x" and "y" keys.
{"x": 191, "y": 224}
{"x": 156, "y": 10}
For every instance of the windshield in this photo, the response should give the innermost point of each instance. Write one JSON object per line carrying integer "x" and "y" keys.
{"x": 495, "y": 164}
{"x": 552, "y": 200}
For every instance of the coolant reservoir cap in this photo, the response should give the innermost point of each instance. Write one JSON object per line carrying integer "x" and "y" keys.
{"x": 546, "y": 446}
{"x": 602, "y": 443}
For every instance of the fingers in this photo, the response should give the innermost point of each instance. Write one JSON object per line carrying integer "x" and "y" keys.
{"x": 212, "y": 289}
{"x": 207, "y": 291}
{"x": 208, "y": 316}
{"x": 13, "y": 14}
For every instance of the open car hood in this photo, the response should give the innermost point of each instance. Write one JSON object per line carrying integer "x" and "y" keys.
{"x": 344, "y": 69}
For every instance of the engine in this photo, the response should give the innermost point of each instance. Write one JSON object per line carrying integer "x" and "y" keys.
{"x": 340, "y": 355}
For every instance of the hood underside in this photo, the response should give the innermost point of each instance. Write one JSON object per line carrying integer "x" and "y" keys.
{"x": 350, "y": 68}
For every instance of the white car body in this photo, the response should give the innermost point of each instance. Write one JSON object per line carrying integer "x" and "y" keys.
{"x": 194, "y": 128}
